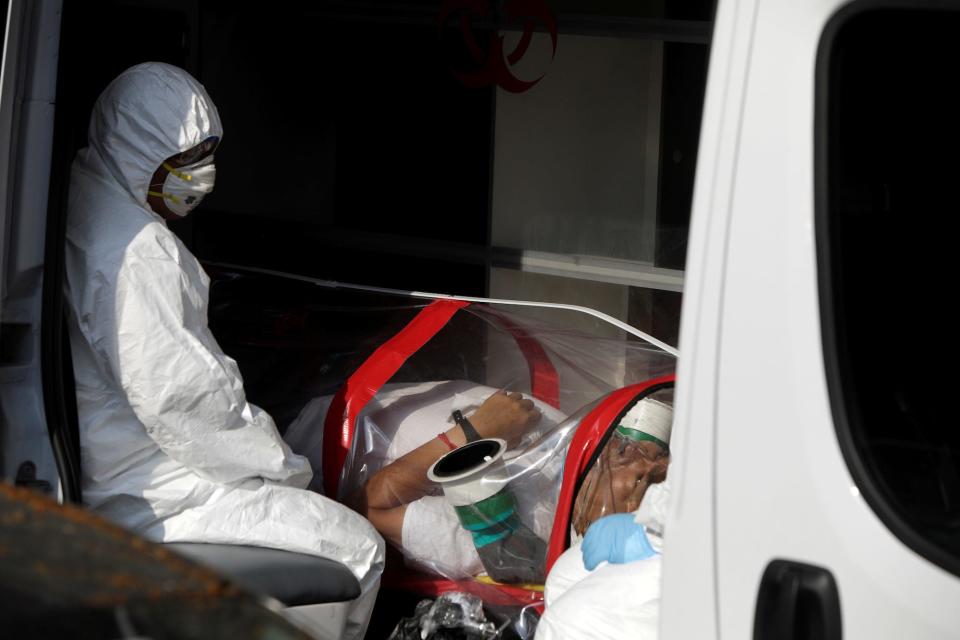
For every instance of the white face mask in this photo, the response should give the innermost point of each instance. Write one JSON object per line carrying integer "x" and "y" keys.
{"x": 184, "y": 188}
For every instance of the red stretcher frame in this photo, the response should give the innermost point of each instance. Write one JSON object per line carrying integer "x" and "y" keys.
{"x": 591, "y": 435}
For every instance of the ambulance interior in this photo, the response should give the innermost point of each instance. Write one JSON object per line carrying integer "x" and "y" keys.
{"x": 373, "y": 143}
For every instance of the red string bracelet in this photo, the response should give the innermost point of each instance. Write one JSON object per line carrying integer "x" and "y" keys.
{"x": 442, "y": 437}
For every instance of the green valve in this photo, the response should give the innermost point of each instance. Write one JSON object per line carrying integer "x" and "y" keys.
{"x": 491, "y": 519}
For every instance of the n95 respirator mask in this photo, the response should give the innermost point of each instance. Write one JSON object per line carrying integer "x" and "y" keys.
{"x": 185, "y": 187}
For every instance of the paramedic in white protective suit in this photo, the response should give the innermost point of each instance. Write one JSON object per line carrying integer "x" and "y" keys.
{"x": 170, "y": 446}
{"x": 607, "y": 586}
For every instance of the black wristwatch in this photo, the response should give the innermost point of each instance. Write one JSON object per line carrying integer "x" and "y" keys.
{"x": 469, "y": 431}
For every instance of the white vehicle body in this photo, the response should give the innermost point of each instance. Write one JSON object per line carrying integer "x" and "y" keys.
{"x": 762, "y": 475}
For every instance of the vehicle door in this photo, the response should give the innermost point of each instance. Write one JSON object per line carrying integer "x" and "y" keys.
{"x": 821, "y": 255}
{"x": 27, "y": 92}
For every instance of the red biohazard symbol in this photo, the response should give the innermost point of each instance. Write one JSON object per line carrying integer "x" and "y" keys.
{"x": 495, "y": 64}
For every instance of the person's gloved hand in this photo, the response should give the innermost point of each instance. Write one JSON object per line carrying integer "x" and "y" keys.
{"x": 617, "y": 539}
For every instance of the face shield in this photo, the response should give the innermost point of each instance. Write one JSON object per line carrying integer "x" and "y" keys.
{"x": 634, "y": 457}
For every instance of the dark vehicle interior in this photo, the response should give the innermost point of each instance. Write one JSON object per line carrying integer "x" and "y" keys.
{"x": 357, "y": 149}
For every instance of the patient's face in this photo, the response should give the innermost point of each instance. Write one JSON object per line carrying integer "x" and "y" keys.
{"x": 619, "y": 480}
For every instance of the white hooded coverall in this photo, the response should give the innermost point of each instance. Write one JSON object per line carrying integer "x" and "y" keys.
{"x": 613, "y": 601}
{"x": 170, "y": 447}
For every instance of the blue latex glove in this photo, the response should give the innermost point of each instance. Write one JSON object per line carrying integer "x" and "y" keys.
{"x": 617, "y": 539}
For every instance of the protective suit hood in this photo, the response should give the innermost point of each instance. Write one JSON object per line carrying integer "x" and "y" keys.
{"x": 148, "y": 113}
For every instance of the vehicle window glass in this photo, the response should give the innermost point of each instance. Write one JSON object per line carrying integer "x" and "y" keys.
{"x": 887, "y": 221}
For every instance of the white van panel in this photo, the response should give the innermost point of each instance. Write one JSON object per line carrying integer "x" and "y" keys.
{"x": 783, "y": 487}
{"x": 689, "y": 601}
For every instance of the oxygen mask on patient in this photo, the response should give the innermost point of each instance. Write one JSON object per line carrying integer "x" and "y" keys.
{"x": 634, "y": 458}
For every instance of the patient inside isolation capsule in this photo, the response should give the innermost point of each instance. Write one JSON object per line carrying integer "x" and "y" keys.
{"x": 635, "y": 457}
{"x": 398, "y": 498}
{"x": 463, "y": 497}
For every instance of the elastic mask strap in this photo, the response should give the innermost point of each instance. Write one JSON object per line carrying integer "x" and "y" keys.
{"x": 168, "y": 196}
{"x": 186, "y": 177}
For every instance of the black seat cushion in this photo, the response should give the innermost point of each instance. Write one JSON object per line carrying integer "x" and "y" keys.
{"x": 292, "y": 578}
